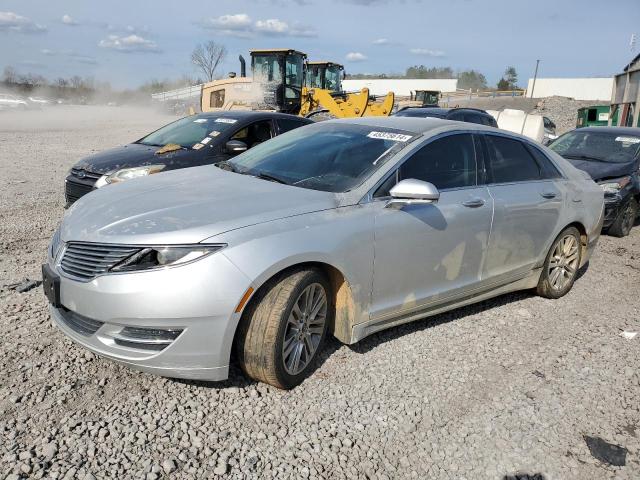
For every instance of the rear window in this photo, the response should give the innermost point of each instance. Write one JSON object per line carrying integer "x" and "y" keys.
{"x": 418, "y": 113}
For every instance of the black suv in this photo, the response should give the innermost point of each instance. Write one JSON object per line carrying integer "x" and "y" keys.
{"x": 471, "y": 115}
{"x": 202, "y": 139}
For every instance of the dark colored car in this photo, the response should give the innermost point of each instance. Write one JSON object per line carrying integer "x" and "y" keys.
{"x": 611, "y": 155}
{"x": 471, "y": 115}
{"x": 202, "y": 139}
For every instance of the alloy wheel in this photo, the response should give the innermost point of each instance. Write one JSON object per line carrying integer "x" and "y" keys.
{"x": 563, "y": 263}
{"x": 304, "y": 328}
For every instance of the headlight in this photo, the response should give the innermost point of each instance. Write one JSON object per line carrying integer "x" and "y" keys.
{"x": 128, "y": 174}
{"x": 157, "y": 257}
{"x": 616, "y": 185}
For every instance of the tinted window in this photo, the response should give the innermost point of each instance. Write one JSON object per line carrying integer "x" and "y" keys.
{"x": 419, "y": 112}
{"x": 286, "y": 124}
{"x": 448, "y": 162}
{"x": 254, "y": 133}
{"x": 475, "y": 118}
{"x": 549, "y": 170}
{"x": 457, "y": 116}
{"x": 333, "y": 157}
{"x": 511, "y": 161}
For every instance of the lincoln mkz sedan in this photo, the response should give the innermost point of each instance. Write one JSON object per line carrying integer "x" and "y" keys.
{"x": 341, "y": 228}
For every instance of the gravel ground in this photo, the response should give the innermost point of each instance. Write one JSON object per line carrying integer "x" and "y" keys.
{"x": 509, "y": 386}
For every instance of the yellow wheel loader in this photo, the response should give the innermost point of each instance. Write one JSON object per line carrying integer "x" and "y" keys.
{"x": 280, "y": 82}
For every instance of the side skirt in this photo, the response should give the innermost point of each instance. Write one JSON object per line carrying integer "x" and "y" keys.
{"x": 365, "y": 329}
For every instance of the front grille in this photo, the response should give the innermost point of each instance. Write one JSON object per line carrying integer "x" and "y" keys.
{"x": 88, "y": 260}
{"x": 79, "y": 323}
{"x": 155, "y": 339}
{"x": 74, "y": 189}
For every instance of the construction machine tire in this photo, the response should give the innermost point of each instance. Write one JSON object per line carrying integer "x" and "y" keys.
{"x": 321, "y": 116}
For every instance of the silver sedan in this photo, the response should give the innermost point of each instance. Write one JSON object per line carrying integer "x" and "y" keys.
{"x": 339, "y": 228}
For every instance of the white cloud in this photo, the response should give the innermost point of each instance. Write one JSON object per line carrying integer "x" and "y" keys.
{"x": 67, "y": 20}
{"x": 381, "y": 41}
{"x": 72, "y": 55}
{"x": 356, "y": 57}
{"x": 128, "y": 44}
{"x": 12, "y": 22}
{"x": 241, "y": 25}
{"x": 426, "y": 52}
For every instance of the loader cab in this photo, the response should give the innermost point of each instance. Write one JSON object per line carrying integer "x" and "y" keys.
{"x": 281, "y": 73}
{"x": 325, "y": 75}
{"x": 427, "y": 98}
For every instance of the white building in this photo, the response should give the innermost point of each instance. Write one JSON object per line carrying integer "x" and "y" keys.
{"x": 400, "y": 86}
{"x": 576, "y": 88}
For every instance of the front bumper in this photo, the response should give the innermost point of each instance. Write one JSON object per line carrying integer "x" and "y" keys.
{"x": 197, "y": 300}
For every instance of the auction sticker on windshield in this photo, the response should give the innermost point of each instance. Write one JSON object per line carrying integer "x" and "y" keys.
{"x": 396, "y": 137}
{"x": 225, "y": 120}
{"x": 628, "y": 139}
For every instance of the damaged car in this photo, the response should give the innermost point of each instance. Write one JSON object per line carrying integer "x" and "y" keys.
{"x": 342, "y": 228}
{"x": 611, "y": 156}
{"x": 202, "y": 139}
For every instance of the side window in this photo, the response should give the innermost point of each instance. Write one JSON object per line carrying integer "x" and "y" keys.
{"x": 286, "y": 124}
{"x": 474, "y": 118}
{"x": 216, "y": 99}
{"x": 549, "y": 170}
{"x": 448, "y": 162}
{"x": 254, "y": 133}
{"x": 511, "y": 161}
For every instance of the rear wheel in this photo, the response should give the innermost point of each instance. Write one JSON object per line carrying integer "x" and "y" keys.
{"x": 625, "y": 220}
{"x": 284, "y": 328}
{"x": 561, "y": 265}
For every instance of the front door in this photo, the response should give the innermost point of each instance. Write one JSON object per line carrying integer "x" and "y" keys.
{"x": 430, "y": 254}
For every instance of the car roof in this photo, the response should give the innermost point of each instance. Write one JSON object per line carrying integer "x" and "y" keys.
{"x": 417, "y": 125}
{"x": 444, "y": 111}
{"x": 250, "y": 115}
{"x": 618, "y": 130}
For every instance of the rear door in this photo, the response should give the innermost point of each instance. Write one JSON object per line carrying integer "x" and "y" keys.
{"x": 527, "y": 206}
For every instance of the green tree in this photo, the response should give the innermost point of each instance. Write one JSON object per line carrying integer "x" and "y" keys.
{"x": 509, "y": 80}
{"x": 471, "y": 79}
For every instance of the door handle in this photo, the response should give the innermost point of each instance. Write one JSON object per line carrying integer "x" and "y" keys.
{"x": 473, "y": 203}
{"x": 548, "y": 194}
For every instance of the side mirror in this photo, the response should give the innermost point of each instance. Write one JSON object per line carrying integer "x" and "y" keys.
{"x": 235, "y": 147}
{"x": 413, "y": 192}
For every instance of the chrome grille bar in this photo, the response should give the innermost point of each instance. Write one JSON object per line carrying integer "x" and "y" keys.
{"x": 88, "y": 260}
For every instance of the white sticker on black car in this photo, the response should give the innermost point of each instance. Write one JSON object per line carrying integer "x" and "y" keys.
{"x": 225, "y": 120}
{"x": 628, "y": 139}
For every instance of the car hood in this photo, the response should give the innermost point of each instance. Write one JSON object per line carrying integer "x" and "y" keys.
{"x": 131, "y": 155}
{"x": 185, "y": 206}
{"x": 603, "y": 170}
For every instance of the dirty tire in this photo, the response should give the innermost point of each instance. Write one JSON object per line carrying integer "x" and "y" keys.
{"x": 548, "y": 285}
{"x": 625, "y": 220}
{"x": 259, "y": 346}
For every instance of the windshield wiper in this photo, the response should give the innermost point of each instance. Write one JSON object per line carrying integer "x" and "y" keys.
{"x": 271, "y": 178}
{"x": 585, "y": 157}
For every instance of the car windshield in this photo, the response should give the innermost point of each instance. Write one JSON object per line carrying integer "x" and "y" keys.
{"x": 327, "y": 156}
{"x": 421, "y": 113}
{"x": 598, "y": 146}
{"x": 188, "y": 131}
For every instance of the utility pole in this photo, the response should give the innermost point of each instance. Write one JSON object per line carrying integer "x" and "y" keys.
{"x": 535, "y": 75}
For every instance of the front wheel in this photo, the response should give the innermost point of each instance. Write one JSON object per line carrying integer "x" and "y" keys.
{"x": 283, "y": 330}
{"x": 622, "y": 225}
{"x": 561, "y": 265}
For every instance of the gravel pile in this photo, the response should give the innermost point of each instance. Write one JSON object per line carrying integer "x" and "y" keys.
{"x": 507, "y": 387}
{"x": 563, "y": 111}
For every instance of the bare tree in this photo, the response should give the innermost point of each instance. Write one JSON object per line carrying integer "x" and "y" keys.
{"x": 10, "y": 75}
{"x": 207, "y": 56}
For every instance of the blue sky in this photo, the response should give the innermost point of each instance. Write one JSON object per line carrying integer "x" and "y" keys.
{"x": 129, "y": 42}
